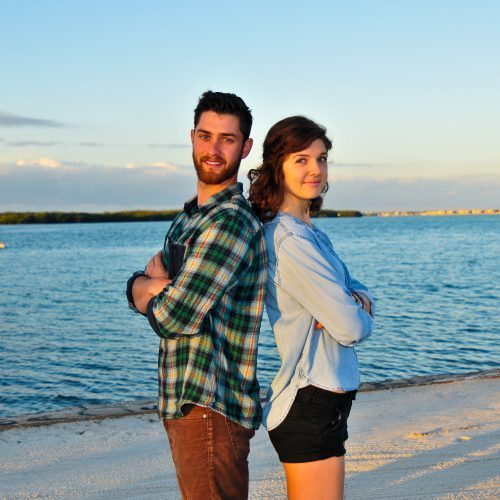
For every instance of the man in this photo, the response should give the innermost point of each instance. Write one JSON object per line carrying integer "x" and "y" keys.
{"x": 203, "y": 295}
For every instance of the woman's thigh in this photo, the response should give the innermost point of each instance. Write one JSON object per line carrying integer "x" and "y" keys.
{"x": 322, "y": 479}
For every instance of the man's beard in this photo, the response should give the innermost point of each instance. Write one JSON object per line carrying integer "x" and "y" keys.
{"x": 215, "y": 176}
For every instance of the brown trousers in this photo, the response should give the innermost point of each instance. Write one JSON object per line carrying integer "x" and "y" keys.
{"x": 210, "y": 454}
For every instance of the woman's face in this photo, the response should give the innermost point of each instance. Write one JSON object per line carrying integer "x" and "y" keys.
{"x": 305, "y": 174}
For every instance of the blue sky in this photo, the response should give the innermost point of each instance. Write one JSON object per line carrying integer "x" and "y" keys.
{"x": 96, "y": 98}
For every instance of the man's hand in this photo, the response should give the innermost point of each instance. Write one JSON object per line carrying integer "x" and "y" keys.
{"x": 145, "y": 288}
{"x": 155, "y": 267}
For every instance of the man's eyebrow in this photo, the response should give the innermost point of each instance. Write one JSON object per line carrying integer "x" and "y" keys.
{"x": 225, "y": 134}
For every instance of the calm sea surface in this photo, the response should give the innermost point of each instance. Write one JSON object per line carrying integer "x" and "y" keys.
{"x": 68, "y": 338}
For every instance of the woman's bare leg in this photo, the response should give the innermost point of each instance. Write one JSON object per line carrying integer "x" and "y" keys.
{"x": 319, "y": 480}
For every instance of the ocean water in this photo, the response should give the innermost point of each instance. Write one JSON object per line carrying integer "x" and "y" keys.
{"x": 68, "y": 338}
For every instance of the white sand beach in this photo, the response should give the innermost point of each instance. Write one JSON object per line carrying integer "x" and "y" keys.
{"x": 439, "y": 440}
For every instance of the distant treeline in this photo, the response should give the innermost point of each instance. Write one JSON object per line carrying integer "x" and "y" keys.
{"x": 128, "y": 216}
{"x": 339, "y": 213}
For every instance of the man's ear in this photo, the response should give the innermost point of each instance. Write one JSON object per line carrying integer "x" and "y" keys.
{"x": 247, "y": 147}
{"x": 192, "y": 136}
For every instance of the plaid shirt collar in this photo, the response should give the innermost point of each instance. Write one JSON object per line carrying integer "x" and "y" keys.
{"x": 191, "y": 206}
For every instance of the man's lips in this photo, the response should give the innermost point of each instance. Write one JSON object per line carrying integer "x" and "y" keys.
{"x": 213, "y": 162}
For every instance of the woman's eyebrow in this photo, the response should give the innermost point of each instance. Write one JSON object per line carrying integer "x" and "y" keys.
{"x": 293, "y": 155}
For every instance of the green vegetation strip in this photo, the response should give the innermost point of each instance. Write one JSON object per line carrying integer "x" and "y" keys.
{"x": 128, "y": 216}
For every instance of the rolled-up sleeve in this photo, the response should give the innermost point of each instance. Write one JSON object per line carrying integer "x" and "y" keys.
{"x": 320, "y": 287}
{"x": 216, "y": 258}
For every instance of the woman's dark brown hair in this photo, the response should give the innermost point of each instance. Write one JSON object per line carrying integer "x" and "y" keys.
{"x": 267, "y": 187}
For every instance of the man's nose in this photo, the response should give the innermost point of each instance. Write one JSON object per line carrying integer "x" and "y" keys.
{"x": 215, "y": 148}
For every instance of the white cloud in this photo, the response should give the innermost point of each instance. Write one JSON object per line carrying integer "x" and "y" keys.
{"x": 41, "y": 162}
{"x": 50, "y": 184}
{"x": 379, "y": 194}
{"x": 163, "y": 165}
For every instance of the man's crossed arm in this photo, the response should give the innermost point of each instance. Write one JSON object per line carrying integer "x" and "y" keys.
{"x": 150, "y": 284}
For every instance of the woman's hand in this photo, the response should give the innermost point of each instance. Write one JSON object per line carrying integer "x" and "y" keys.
{"x": 364, "y": 300}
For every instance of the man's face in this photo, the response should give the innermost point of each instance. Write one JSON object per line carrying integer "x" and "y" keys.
{"x": 218, "y": 148}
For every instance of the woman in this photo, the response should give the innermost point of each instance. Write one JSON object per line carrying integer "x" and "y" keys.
{"x": 318, "y": 312}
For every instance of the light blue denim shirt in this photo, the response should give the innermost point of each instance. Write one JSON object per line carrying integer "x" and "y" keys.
{"x": 307, "y": 281}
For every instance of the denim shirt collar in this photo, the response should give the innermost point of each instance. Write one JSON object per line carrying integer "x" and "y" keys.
{"x": 285, "y": 215}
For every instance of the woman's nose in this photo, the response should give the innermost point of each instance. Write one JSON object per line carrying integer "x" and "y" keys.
{"x": 316, "y": 168}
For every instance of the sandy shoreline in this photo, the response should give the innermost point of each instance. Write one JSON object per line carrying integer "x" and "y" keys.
{"x": 428, "y": 439}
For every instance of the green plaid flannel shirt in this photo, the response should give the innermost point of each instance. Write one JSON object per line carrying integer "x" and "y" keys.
{"x": 209, "y": 316}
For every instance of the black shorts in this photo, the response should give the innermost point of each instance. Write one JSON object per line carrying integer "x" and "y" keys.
{"x": 315, "y": 427}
